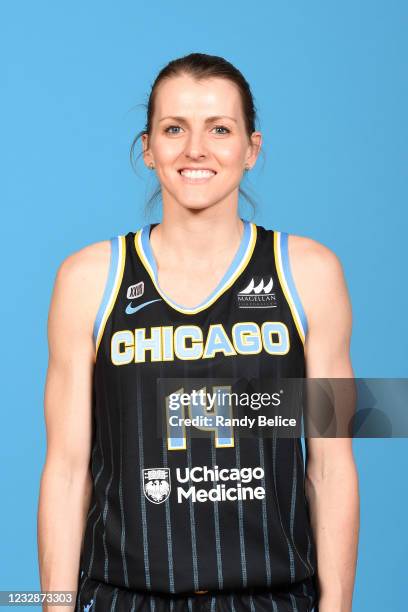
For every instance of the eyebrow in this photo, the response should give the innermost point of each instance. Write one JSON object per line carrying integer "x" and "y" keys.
{"x": 208, "y": 120}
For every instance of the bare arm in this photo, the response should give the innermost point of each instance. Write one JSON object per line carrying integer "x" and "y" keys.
{"x": 331, "y": 477}
{"x": 65, "y": 483}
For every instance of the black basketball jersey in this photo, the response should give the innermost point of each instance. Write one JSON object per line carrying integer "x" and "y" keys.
{"x": 178, "y": 509}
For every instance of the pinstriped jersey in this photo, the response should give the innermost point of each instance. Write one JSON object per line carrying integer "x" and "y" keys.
{"x": 178, "y": 509}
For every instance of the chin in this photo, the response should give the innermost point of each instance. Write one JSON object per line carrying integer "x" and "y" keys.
{"x": 197, "y": 205}
{"x": 196, "y": 202}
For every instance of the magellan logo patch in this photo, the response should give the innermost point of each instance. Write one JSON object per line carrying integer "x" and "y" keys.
{"x": 257, "y": 294}
{"x": 156, "y": 484}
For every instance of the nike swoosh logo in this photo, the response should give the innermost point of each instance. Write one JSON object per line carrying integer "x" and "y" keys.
{"x": 130, "y": 309}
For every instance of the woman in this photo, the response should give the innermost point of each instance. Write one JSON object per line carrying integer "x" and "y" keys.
{"x": 138, "y": 512}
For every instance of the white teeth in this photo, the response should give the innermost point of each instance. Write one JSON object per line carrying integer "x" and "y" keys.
{"x": 197, "y": 173}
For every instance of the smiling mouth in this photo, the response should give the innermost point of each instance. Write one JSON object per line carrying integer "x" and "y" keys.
{"x": 196, "y": 176}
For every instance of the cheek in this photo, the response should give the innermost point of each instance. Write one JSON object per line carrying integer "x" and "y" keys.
{"x": 230, "y": 154}
{"x": 167, "y": 153}
{"x": 167, "y": 150}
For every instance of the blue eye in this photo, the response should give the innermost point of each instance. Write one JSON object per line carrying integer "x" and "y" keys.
{"x": 222, "y": 127}
{"x": 170, "y": 127}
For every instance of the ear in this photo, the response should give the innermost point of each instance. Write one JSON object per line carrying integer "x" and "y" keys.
{"x": 147, "y": 155}
{"x": 254, "y": 149}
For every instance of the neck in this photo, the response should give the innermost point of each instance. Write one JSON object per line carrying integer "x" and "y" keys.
{"x": 184, "y": 238}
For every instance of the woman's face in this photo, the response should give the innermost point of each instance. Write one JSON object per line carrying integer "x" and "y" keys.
{"x": 199, "y": 125}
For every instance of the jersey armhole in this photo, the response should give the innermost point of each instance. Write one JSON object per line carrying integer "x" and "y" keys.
{"x": 288, "y": 283}
{"x": 113, "y": 282}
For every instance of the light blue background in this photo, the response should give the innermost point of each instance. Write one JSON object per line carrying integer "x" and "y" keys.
{"x": 328, "y": 80}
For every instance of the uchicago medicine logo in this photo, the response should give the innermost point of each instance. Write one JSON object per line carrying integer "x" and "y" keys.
{"x": 156, "y": 484}
{"x": 205, "y": 484}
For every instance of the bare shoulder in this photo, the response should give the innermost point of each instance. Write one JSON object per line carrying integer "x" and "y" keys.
{"x": 86, "y": 262}
{"x": 308, "y": 254}
{"x": 317, "y": 273}
{"x": 79, "y": 286}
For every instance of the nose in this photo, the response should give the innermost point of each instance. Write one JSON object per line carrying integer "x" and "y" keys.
{"x": 195, "y": 147}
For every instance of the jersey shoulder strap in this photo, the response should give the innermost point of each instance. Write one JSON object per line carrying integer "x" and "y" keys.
{"x": 286, "y": 280}
{"x": 112, "y": 285}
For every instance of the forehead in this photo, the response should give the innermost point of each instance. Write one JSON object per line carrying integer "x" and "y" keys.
{"x": 185, "y": 96}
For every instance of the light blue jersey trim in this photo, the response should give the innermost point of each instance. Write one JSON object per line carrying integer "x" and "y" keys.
{"x": 238, "y": 257}
{"x": 145, "y": 240}
{"x": 109, "y": 286}
{"x": 289, "y": 279}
